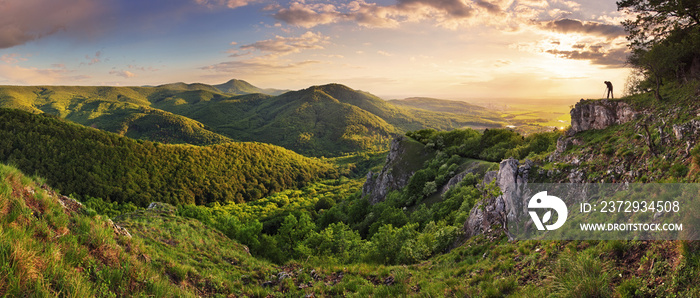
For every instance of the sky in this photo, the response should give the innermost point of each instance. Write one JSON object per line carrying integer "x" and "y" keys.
{"x": 452, "y": 49}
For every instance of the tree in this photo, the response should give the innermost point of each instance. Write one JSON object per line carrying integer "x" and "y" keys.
{"x": 658, "y": 19}
{"x": 664, "y": 39}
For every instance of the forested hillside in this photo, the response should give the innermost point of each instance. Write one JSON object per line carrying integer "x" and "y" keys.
{"x": 325, "y": 120}
{"x": 90, "y": 162}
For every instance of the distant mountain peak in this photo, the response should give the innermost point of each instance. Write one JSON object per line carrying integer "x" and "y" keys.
{"x": 236, "y": 86}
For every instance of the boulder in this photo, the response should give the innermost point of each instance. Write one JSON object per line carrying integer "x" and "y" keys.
{"x": 686, "y": 130}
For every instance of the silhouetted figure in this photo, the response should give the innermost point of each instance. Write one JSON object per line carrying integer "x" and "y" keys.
{"x": 609, "y": 90}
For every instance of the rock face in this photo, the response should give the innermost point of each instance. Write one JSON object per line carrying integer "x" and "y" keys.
{"x": 404, "y": 159}
{"x": 686, "y": 130}
{"x": 592, "y": 115}
{"x": 507, "y": 207}
{"x": 599, "y": 114}
{"x": 473, "y": 169}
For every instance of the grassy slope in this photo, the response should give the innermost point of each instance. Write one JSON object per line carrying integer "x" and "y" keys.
{"x": 47, "y": 250}
{"x": 197, "y": 258}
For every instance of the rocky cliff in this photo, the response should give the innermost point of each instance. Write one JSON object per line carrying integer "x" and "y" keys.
{"x": 406, "y": 156}
{"x": 599, "y": 114}
{"x": 509, "y": 206}
{"x": 587, "y": 115}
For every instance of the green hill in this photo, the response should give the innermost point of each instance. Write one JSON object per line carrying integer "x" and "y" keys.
{"x": 122, "y": 110}
{"x": 321, "y": 120}
{"x": 90, "y": 162}
{"x": 328, "y": 120}
{"x": 180, "y": 86}
{"x": 242, "y": 87}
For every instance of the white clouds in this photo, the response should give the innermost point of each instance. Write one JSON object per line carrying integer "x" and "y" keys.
{"x": 123, "y": 73}
{"x": 286, "y": 45}
{"x": 224, "y": 3}
{"x": 12, "y": 58}
{"x": 264, "y": 56}
{"x": 307, "y": 16}
{"x": 14, "y": 74}
{"x": 256, "y": 66}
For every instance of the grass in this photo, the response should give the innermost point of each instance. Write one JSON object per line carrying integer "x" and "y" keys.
{"x": 46, "y": 250}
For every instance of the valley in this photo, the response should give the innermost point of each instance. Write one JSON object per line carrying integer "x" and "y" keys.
{"x": 252, "y": 219}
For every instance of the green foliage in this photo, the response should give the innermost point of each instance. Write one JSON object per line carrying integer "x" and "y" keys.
{"x": 679, "y": 170}
{"x": 92, "y": 163}
{"x": 491, "y": 145}
{"x": 337, "y": 241}
{"x": 109, "y": 209}
{"x": 664, "y": 38}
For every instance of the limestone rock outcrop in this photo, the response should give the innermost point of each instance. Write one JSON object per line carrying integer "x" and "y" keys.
{"x": 507, "y": 207}
{"x": 599, "y": 114}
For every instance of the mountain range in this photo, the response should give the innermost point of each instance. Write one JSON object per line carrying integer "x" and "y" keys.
{"x": 326, "y": 120}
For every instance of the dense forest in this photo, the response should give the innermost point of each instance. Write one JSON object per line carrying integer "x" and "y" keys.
{"x": 90, "y": 162}
{"x": 332, "y": 221}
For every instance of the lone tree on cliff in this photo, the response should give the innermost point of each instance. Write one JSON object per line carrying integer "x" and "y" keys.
{"x": 664, "y": 39}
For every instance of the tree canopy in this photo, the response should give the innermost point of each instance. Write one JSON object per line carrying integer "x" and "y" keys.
{"x": 664, "y": 38}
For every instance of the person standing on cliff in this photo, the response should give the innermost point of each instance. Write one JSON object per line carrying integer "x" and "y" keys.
{"x": 609, "y": 89}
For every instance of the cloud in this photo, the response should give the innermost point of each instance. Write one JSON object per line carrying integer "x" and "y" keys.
{"x": 502, "y": 62}
{"x": 14, "y": 74}
{"x": 287, "y": 45}
{"x": 264, "y": 56}
{"x": 123, "y": 73}
{"x": 256, "y": 66}
{"x": 614, "y": 58}
{"x": 12, "y": 58}
{"x": 306, "y": 15}
{"x": 142, "y": 68}
{"x": 373, "y": 15}
{"x": 27, "y": 20}
{"x": 224, "y": 3}
{"x": 383, "y": 53}
{"x": 93, "y": 59}
{"x": 453, "y": 8}
{"x": 445, "y": 13}
{"x": 590, "y": 28}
